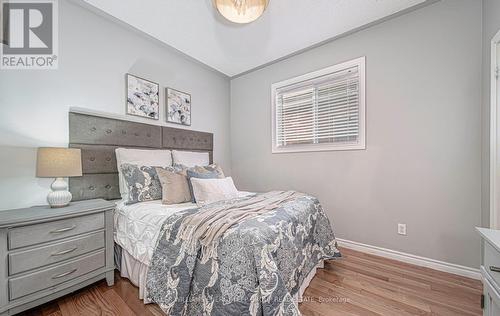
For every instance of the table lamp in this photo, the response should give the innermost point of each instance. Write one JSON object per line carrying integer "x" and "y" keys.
{"x": 58, "y": 163}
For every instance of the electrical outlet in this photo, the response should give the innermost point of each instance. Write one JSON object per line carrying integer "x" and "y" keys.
{"x": 402, "y": 229}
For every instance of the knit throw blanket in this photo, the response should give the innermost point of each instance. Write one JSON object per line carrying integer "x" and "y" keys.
{"x": 208, "y": 225}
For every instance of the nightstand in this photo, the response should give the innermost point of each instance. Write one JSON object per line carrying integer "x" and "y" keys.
{"x": 490, "y": 270}
{"x": 48, "y": 252}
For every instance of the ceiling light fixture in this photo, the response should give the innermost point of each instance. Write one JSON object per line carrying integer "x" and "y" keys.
{"x": 241, "y": 11}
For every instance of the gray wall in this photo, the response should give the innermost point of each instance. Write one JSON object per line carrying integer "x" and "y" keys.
{"x": 422, "y": 165}
{"x": 95, "y": 53}
{"x": 491, "y": 25}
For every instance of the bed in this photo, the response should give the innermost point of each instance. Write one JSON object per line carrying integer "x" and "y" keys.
{"x": 137, "y": 228}
{"x": 257, "y": 266}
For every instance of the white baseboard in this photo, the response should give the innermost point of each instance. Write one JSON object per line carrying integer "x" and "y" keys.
{"x": 412, "y": 259}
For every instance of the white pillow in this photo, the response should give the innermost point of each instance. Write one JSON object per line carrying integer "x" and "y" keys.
{"x": 207, "y": 191}
{"x": 190, "y": 158}
{"x": 140, "y": 157}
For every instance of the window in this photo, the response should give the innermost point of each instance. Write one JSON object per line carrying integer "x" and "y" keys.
{"x": 321, "y": 110}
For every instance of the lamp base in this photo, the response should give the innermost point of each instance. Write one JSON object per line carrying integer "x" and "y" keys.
{"x": 60, "y": 196}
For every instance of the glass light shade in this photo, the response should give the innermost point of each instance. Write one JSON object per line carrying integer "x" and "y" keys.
{"x": 241, "y": 11}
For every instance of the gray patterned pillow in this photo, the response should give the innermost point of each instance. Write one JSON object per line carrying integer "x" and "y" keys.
{"x": 212, "y": 171}
{"x": 200, "y": 175}
{"x": 203, "y": 169}
{"x": 143, "y": 183}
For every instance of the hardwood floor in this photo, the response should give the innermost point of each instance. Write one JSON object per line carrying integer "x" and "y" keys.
{"x": 358, "y": 284}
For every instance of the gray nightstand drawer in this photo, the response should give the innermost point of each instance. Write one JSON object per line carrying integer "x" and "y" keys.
{"x": 492, "y": 262}
{"x": 37, "y": 281}
{"x": 44, "y": 232}
{"x": 66, "y": 249}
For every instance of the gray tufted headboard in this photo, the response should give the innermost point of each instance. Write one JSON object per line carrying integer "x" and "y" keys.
{"x": 98, "y": 137}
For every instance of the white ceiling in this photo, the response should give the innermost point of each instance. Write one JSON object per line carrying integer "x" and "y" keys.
{"x": 195, "y": 28}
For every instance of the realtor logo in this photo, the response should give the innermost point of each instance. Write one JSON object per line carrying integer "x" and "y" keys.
{"x": 29, "y": 35}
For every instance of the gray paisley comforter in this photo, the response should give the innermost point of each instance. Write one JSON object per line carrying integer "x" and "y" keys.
{"x": 260, "y": 266}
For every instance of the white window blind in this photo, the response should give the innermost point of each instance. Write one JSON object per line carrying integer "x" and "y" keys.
{"x": 323, "y": 110}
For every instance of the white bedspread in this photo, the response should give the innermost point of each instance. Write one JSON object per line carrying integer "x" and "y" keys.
{"x": 137, "y": 226}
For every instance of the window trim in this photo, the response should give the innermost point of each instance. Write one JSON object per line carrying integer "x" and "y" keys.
{"x": 359, "y": 145}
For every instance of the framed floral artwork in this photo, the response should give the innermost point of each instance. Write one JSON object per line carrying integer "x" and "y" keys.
{"x": 178, "y": 107}
{"x": 142, "y": 97}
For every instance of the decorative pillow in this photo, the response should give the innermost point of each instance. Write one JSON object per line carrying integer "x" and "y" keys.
{"x": 175, "y": 188}
{"x": 212, "y": 190}
{"x": 209, "y": 168}
{"x": 139, "y": 157}
{"x": 190, "y": 158}
{"x": 142, "y": 183}
{"x": 191, "y": 173}
{"x": 202, "y": 169}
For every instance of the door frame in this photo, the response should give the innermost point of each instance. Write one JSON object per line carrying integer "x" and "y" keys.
{"x": 494, "y": 133}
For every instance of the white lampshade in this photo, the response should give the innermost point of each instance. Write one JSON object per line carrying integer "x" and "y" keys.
{"x": 55, "y": 162}
{"x": 241, "y": 11}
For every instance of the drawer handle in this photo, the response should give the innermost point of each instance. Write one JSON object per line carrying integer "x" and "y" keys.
{"x": 63, "y": 230}
{"x": 63, "y": 252}
{"x": 494, "y": 269}
{"x": 64, "y": 274}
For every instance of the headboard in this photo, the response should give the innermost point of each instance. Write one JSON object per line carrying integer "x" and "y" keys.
{"x": 98, "y": 137}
